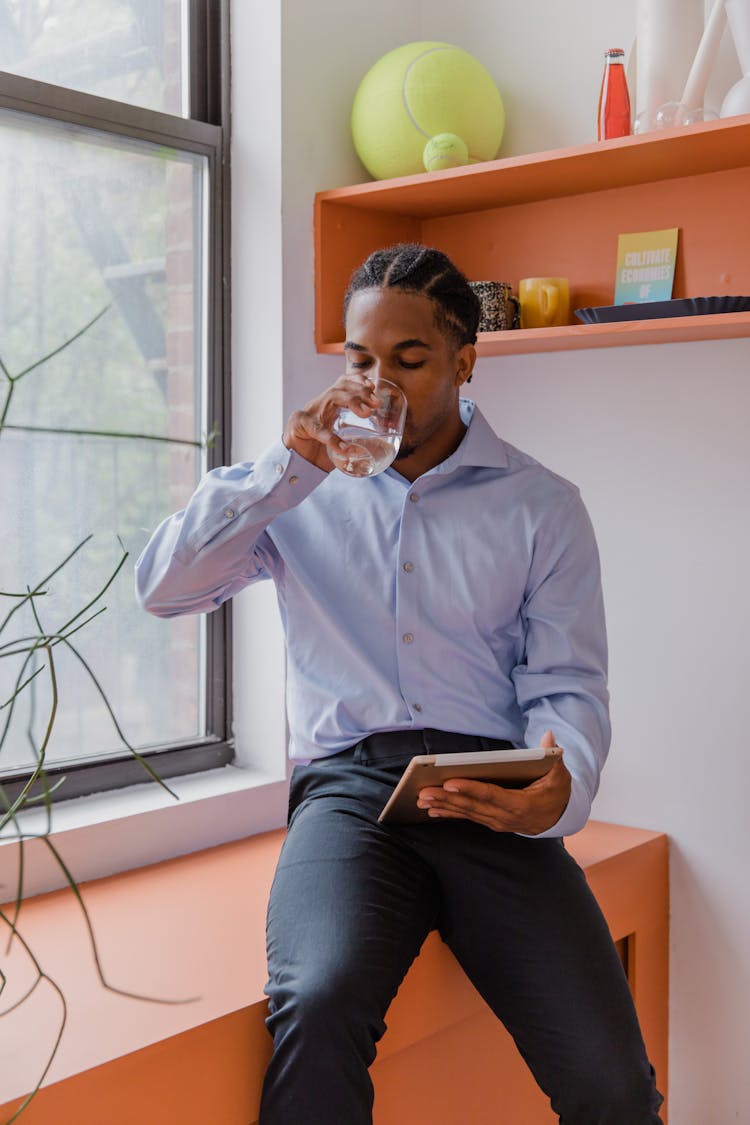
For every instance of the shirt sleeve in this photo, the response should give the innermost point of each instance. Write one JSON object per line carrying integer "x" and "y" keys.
{"x": 561, "y": 684}
{"x": 205, "y": 554}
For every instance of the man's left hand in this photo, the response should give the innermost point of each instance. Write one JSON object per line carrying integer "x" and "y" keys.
{"x": 531, "y": 810}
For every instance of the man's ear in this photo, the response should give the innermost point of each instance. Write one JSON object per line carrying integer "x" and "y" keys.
{"x": 466, "y": 357}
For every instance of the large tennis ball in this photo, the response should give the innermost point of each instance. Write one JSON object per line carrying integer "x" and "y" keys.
{"x": 417, "y": 91}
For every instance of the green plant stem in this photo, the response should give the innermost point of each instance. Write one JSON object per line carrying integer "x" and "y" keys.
{"x": 92, "y": 939}
{"x": 101, "y": 593}
{"x": 8, "y": 397}
{"x": 53, "y": 639}
{"x": 20, "y": 799}
{"x": 138, "y": 757}
{"x": 49, "y": 789}
{"x": 41, "y": 975}
{"x": 27, "y": 647}
{"x": 25, "y": 595}
{"x": 56, "y": 351}
{"x": 11, "y": 703}
{"x": 38, "y": 588}
{"x": 61, "y": 634}
{"x": 103, "y": 433}
{"x": 19, "y": 885}
{"x": 22, "y": 999}
{"x": 20, "y": 688}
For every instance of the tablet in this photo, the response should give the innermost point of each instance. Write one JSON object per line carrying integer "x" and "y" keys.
{"x": 510, "y": 768}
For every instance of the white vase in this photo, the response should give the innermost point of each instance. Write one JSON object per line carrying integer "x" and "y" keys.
{"x": 738, "y": 99}
{"x": 667, "y": 36}
{"x": 738, "y": 15}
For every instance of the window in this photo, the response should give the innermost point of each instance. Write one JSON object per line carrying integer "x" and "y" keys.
{"x": 114, "y": 380}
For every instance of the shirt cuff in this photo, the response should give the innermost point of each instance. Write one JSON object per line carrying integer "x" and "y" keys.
{"x": 248, "y": 493}
{"x": 281, "y": 465}
{"x": 573, "y": 818}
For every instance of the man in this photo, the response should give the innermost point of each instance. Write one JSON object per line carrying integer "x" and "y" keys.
{"x": 451, "y": 602}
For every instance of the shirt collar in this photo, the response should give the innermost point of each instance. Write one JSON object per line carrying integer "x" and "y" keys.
{"x": 480, "y": 446}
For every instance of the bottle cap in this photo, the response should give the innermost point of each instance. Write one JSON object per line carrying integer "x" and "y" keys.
{"x": 614, "y": 51}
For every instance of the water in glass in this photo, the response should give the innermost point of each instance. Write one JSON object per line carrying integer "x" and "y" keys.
{"x": 373, "y": 441}
{"x": 369, "y": 453}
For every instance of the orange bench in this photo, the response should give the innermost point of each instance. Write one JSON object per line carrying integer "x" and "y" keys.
{"x": 193, "y": 927}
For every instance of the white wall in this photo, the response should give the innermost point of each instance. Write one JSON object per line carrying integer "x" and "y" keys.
{"x": 328, "y": 47}
{"x": 656, "y": 437}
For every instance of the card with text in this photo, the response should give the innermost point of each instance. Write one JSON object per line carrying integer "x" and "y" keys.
{"x": 645, "y": 266}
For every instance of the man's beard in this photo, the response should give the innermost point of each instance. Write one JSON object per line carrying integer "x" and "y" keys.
{"x": 405, "y": 450}
{"x": 408, "y": 444}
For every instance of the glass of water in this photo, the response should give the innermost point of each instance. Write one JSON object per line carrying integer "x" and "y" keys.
{"x": 373, "y": 441}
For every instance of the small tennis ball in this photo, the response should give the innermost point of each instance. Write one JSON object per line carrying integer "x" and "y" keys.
{"x": 445, "y": 150}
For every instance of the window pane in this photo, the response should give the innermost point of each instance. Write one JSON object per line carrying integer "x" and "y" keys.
{"x": 129, "y": 50}
{"x": 91, "y": 223}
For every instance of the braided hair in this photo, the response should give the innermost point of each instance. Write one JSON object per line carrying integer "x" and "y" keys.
{"x": 421, "y": 269}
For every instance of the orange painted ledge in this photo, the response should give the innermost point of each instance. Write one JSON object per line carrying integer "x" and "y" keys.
{"x": 193, "y": 929}
{"x": 620, "y": 334}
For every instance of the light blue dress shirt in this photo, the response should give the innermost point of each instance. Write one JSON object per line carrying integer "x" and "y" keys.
{"x": 469, "y": 600}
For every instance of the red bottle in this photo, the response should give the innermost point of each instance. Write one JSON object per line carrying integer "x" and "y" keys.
{"x": 614, "y": 100}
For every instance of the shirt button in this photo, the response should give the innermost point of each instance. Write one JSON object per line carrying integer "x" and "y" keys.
{"x": 408, "y": 567}
{"x": 407, "y": 638}
{"x": 417, "y": 706}
{"x": 414, "y": 496}
{"x": 293, "y": 480}
{"x": 229, "y": 513}
{"x": 279, "y": 469}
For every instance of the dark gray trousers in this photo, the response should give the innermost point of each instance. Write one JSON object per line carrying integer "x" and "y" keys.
{"x": 353, "y": 900}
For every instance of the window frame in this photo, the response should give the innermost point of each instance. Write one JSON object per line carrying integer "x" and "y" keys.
{"x": 206, "y": 133}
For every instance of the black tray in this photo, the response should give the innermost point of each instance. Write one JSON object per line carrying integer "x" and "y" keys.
{"x": 654, "y": 310}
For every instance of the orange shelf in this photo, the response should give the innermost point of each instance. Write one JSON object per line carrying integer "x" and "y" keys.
{"x": 559, "y": 213}
{"x": 682, "y": 329}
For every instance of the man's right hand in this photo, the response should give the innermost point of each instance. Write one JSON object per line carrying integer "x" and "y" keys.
{"x": 308, "y": 431}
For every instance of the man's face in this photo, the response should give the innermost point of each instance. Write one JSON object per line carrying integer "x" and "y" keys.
{"x": 392, "y": 334}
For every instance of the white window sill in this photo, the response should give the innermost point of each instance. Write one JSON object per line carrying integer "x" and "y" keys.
{"x": 118, "y": 830}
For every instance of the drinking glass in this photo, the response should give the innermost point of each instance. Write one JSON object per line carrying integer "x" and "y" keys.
{"x": 373, "y": 441}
